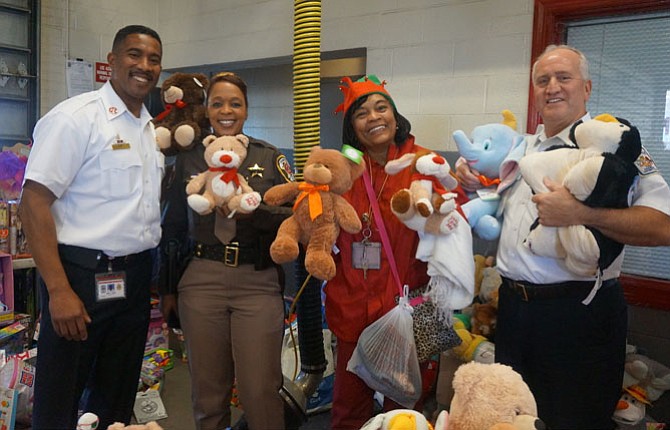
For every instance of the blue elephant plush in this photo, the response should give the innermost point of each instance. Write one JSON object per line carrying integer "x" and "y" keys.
{"x": 493, "y": 151}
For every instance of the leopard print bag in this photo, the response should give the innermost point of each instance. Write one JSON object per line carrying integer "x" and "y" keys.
{"x": 430, "y": 335}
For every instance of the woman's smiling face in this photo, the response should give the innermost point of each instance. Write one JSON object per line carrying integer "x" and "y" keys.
{"x": 226, "y": 109}
{"x": 374, "y": 122}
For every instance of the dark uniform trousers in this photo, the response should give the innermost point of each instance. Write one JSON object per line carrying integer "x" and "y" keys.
{"x": 100, "y": 374}
{"x": 575, "y": 378}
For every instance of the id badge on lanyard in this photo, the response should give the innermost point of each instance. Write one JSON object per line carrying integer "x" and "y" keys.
{"x": 366, "y": 254}
{"x": 110, "y": 285}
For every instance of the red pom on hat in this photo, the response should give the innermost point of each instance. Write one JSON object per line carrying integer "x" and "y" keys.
{"x": 364, "y": 86}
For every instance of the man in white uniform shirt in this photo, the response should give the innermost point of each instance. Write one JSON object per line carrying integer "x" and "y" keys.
{"x": 569, "y": 351}
{"x": 90, "y": 208}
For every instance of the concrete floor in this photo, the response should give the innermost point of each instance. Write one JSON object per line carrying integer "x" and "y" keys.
{"x": 176, "y": 396}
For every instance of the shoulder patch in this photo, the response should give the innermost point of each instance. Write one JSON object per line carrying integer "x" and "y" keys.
{"x": 645, "y": 164}
{"x": 284, "y": 168}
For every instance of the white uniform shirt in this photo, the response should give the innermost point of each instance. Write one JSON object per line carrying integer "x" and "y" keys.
{"x": 516, "y": 261}
{"x": 103, "y": 165}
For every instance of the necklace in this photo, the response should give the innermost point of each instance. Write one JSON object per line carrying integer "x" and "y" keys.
{"x": 365, "y": 217}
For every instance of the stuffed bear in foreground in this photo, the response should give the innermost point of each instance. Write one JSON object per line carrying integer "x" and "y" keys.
{"x": 599, "y": 171}
{"x": 487, "y": 397}
{"x": 319, "y": 211}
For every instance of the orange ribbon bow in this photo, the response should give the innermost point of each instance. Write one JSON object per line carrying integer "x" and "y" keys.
{"x": 487, "y": 182}
{"x": 314, "y": 201}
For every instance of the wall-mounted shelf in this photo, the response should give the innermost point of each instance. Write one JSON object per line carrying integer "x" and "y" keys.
{"x": 13, "y": 8}
{"x": 19, "y": 69}
{"x": 16, "y": 75}
{"x": 14, "y": 98}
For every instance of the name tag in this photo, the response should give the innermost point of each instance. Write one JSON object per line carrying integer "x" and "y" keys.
{"x": 366, "y": 255}
{"x": 119, "y": 143}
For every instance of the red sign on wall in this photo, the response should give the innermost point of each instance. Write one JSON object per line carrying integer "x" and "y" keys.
{"x": 102, "y": 72}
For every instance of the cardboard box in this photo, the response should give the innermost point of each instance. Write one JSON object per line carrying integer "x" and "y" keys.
{"x": 7, "y": 292}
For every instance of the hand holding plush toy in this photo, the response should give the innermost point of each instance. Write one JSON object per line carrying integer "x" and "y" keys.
{"x": 489, "y": 153}
{"x": 430, "y": 208}
{"x": 319, "y": 211}
{"x": 184, "y": 117}
{"x": 599, "y": 171}
{"x": 427, "y": 204}
{"x": 222, "y": 184}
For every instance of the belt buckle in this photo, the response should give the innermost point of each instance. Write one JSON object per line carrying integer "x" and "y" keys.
{"x": 522, "y": 287}
{"x": 231, "y": 254}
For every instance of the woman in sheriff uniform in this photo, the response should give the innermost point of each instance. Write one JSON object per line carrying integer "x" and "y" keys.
{"x": 230, "y": 298}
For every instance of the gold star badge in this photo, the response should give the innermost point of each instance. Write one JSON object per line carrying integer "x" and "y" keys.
{"x": 256, "y": 170}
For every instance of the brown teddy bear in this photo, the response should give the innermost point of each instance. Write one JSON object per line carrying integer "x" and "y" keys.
{"x": 222, "y": 184}
{"x": 185, "y": 114}
{"x": 319, "y": 211}
{"x": 483, "y": 319}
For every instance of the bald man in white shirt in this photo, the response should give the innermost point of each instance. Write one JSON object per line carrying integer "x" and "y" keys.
{"x": 569, "y": 351}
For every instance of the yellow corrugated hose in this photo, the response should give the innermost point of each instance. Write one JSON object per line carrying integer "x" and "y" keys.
{"x": 306, "y": 80}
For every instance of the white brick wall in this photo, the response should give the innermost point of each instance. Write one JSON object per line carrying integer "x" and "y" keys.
{"x": 449, "y": 64}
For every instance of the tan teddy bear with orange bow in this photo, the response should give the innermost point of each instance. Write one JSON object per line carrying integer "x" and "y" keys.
{"x": 319, "y": 211}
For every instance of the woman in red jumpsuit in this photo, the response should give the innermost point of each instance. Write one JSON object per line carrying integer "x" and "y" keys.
{"x": 355, "y": 297}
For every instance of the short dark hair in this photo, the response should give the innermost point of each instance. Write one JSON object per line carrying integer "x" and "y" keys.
{"x": 233, "y": 79}
{"x": 134, "y": 29}
{"x": 349, "y": 135}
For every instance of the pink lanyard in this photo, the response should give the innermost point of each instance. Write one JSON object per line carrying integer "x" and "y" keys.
{"x": 382, "y": 229}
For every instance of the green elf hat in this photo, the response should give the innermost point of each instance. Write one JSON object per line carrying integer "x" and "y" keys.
{"x": 366, "y": 85}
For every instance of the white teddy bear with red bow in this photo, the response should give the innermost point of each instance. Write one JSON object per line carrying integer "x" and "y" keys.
{"x": 222, "y": 183}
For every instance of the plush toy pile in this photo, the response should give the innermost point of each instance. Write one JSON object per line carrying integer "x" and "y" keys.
{"x": 185, "y": 115}
{"x": 473, "y": 347}
{"x": 644, "y": 381}
{"x": 221, "y": 182}
{"x": 319, "y": 211}
{"x": 600, "y": 171}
